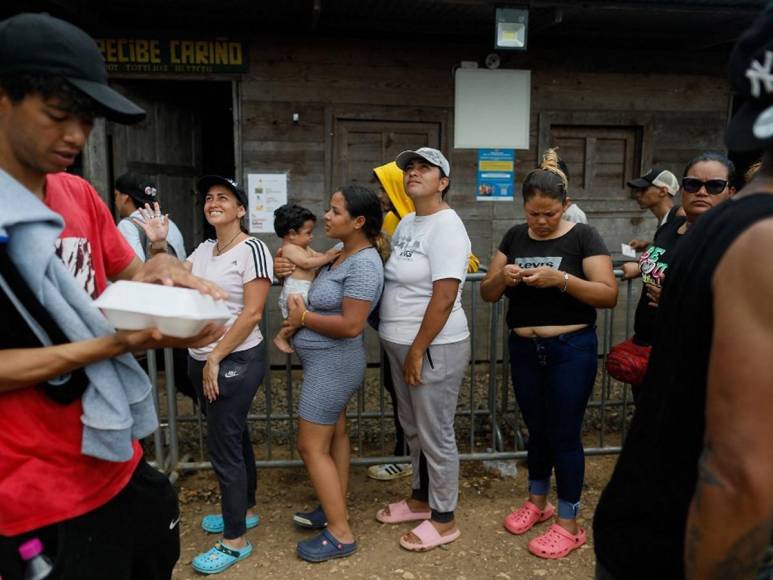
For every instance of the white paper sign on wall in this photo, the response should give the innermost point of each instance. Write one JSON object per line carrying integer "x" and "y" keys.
{"x": 265, "y": 193}
{"x": 492, "y": 109}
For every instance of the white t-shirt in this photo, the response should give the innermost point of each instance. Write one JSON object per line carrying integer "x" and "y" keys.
{"x": 243, "y": 263}
{"x": 574, "y": 214}
{"x": 132, "y": 235}
{"x": 424, "y": 249}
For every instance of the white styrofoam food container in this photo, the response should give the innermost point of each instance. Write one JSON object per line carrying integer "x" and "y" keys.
{"x": 179, "y": 312}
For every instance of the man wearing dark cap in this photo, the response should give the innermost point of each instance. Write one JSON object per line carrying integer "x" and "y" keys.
{"x": 692, "y": 493}
{"x": 157, "y": 234}
{"x": 655, "y": 191}
{"x": 73, "y": 402}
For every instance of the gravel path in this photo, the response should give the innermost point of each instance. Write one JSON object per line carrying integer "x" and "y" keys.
{"x": 485, "y": 549}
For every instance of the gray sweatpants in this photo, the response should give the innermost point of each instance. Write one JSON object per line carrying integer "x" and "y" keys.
{"x": 427, "y": 415}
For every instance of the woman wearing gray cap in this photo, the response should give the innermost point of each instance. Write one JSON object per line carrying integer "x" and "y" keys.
{"x": 424, "y": 332}
{"x": 226, "y": 374}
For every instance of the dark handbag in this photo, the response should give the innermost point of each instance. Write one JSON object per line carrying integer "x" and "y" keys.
{"x": 627, "y": 361}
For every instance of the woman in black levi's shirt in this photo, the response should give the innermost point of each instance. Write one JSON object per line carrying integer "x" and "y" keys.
{"x": 556, "y": 274}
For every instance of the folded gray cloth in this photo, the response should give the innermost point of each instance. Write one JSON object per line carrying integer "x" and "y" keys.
{"x": 117, "y": 404}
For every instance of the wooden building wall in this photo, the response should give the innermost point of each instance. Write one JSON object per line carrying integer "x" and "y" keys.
{"x": 360, "y": 102}
{"x": 345, "y": 87}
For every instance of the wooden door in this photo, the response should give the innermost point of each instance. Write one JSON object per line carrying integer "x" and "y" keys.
{"x": 600, "y": 159}
{"x": 166, "y": 147}
{"x": 361, "y": 145}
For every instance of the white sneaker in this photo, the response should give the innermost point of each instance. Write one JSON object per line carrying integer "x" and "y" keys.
{"x": 387, "y": 471}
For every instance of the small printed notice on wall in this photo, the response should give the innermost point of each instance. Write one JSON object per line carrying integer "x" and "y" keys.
{"x": 265, "y": 192}
{"x": 496, "y": 174}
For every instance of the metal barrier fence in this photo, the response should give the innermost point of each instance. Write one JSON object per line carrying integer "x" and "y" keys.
{"x": 488, "y": 424}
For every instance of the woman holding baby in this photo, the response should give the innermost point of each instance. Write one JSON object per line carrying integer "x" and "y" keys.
{"x": 329, "y": 343}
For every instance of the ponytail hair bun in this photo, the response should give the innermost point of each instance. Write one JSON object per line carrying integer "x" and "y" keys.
{"x": 548, "y": 179}
{"x": 551, "y": 162}
{"x": 382, "y": 245}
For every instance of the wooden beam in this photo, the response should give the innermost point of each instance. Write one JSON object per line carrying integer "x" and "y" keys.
{"x": 728, "y": 7}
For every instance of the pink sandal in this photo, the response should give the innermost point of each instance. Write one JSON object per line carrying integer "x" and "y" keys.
{"x": 400, "y": 512}
{"x": 524, "y": 518}
{"x": 430, "y": 538}
{"x": 556, "y": 543}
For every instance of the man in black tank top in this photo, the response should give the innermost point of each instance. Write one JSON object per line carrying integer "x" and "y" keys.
{"x": 692, "y": 493}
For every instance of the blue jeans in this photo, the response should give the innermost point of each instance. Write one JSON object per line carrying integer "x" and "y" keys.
{"x": 553, "y": 379}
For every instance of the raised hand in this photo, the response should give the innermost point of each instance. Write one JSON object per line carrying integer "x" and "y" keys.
{"x": 153, "y": 222}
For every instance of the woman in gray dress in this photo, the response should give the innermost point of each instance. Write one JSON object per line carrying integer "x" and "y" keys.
{"x": 330, "y": 344}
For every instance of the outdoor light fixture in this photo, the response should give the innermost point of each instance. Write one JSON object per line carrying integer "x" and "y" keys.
{"x": 512, "y": 25}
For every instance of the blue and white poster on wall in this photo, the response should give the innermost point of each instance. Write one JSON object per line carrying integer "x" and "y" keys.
{"x": 496, "y": 174}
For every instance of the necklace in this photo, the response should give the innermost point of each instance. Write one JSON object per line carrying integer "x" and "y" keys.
{"x": 220, "y": 250}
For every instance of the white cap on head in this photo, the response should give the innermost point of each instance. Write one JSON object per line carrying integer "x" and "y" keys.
{"x": 658, "y": 178}
{"x": 429, "y": 154}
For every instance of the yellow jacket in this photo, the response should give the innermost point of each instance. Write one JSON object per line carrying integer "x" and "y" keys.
{"x": 391, "y": 178}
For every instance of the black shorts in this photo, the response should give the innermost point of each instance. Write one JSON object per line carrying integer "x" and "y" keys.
{"x": 134, "y": 536}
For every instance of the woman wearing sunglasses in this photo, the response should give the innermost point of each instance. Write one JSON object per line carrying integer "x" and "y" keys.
{"x": 706, "y": 182}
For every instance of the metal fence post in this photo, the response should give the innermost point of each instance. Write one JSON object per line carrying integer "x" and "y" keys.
{"x": 496, "y": 436}
{"x": 171, "y": 398}
{"x": 158, "y": 440}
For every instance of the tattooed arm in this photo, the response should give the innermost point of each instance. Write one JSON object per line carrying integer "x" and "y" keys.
{"x": 731, "y": 515}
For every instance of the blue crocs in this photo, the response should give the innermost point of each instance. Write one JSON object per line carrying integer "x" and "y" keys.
{"x": 324, "y": 547}
{"x": 219, "y": 558}
{"x": 313, "y": 520}
{"x": 213, "y": 523}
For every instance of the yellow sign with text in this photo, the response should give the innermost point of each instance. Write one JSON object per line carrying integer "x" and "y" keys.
{"x": 495, "y": 165}
{"x": 174, "y": 55}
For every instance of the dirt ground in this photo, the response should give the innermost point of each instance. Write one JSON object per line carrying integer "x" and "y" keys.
{"x": 484, "y": 550}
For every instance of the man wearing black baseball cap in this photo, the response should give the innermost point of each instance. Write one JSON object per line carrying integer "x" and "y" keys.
{"x": 42, "y": 44}
{"x": 692, "y": 493}
{"x": 142, "y": 223}
{"x": 71, "y": 468}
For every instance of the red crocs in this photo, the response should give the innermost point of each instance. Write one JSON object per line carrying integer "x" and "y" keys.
{"x": 524, "y": 518}
{"x": 556, "y": 543}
